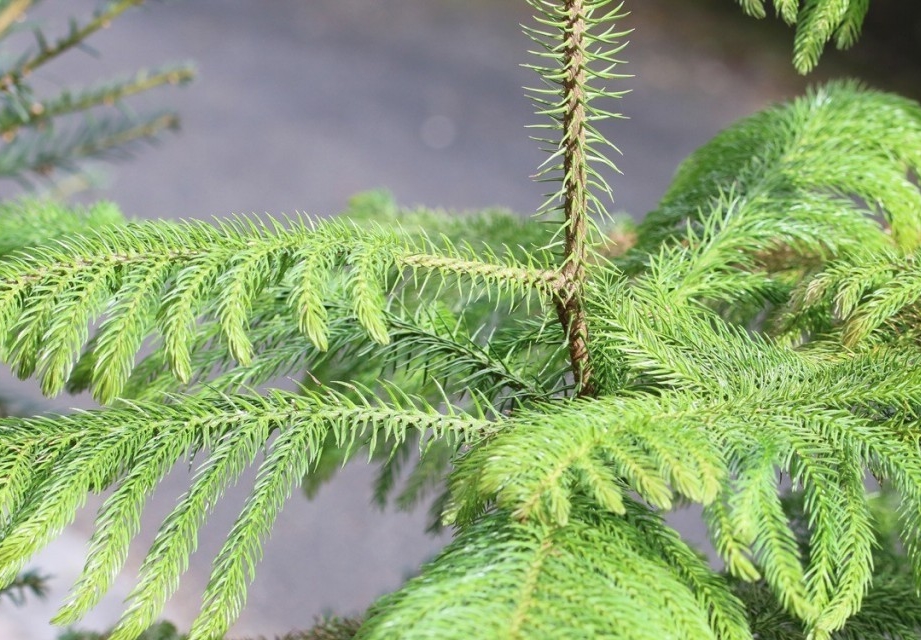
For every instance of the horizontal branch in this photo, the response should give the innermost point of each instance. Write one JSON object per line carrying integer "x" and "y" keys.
{"x": 15, "y": 116}
{"x": 543, "y": 279}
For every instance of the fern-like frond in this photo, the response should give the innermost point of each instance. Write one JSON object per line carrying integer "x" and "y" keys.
{"x": 591, "y": 460}
{"x": 163, "y": 277}
{"x": 656, "y": 445}
{"x": 133, "y": 447}
{"x": 430, "y": 354}
{"x": 806, "y": 160}
{"x": 742, "y": 258}
{"x": 529, "y": 580}
{"x": 817, "y": 23}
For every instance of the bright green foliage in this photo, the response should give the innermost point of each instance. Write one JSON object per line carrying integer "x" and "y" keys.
{"x": 595, "y": 577}
{"x": 61, "y": 459}
{"x": 805, "y": 163}
{"x": 754, "y": 352}
{"x": 817, "y": 22}
{"x": 864, "y": 299}
{"x": 25, "y": 223}
{"x": 164, "y": 277}
{"x": 890, "y": 609}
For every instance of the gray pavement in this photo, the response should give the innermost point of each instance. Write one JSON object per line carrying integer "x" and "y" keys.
{"x": 301, "y": 104}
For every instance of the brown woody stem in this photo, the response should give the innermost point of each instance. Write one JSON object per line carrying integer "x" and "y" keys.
{"x": 575, "y": 198}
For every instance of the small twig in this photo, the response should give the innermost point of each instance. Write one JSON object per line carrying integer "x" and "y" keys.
{"x": 11, "y": 118}
{"x": 77, "y": 35}
{"x": 26, "y": 583}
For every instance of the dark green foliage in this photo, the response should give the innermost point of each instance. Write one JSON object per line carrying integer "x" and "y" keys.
{"x": 513, "y": 579}
{"x": 817, "y": 23}
{"x": 43, "y": 133}
{"x": 28, "y": 583}
{"x": 331, "y": 629}
{"x": 753, "y": 350}
{"x": 160, "y": 631}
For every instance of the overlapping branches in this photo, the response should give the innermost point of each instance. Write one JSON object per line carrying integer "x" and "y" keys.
{"x": 695, "y": 407}
{"x": 528, "y": 580}
{"x": 808, "y": 157}
{"x": 164, "y": 278}
{"x": 866, "y": 299}
{"x": 48, "y": 465}
{"x": 425, "y": 347}
{"x": 677, "y": 402}
{"x": 738, "y": 411}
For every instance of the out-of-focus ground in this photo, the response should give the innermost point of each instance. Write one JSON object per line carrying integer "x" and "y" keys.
{"x": 301, "y": 104}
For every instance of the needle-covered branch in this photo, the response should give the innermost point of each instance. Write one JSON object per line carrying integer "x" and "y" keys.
{"x": 578, "y": 43}
{"x": 161, "y": 278}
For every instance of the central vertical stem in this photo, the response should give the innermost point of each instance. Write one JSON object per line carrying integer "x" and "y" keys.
{"x": 575, "y": 197}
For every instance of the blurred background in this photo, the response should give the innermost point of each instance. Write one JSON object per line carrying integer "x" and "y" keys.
{"x": 301, "y": 104}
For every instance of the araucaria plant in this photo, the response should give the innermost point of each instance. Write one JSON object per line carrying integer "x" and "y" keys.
{"x": 753, "y": 347}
